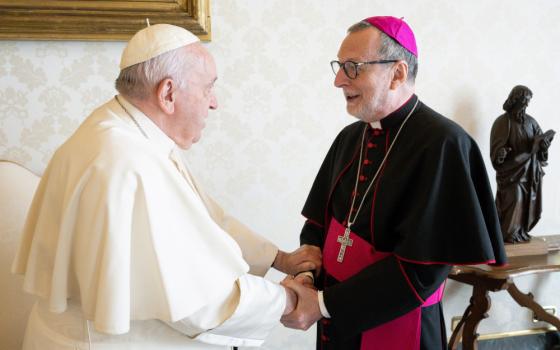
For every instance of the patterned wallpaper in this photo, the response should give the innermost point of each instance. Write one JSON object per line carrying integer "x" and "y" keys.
{"x": 279, "y": 111}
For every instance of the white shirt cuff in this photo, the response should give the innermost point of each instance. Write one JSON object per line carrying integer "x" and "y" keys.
{"x": 322, "y": 306}
{"x": 260, "y": 307}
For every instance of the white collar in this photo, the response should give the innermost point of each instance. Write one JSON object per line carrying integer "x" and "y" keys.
{"x": 376, "y": 124}
{"x": 146, "y": 125}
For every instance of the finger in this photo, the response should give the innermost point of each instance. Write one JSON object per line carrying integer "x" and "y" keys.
{"x": 291, "y": 324}
{"x": 317, "y": 273}
{"x": 318, "y": 262}
{"x": 310, "y": 250}
{"x": 312, "y": 286}
{"x": 305, "y": 266}
{"x": 311, "y": 247}
{"x": 302, "y": 278}
{"x": 296, "y": 287}
{"x": 286, "y": 279}
{"x": 307, "y": 282}
{"x": 286, "y": 318}
{"x": 300, "y": 290}
{"x": 287, "y": 324}
{"x": 289, "y": 282}
{"x": 289, "y": 320}
{"x": 315, "y": 251}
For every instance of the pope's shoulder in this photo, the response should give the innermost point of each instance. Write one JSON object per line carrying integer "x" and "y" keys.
{"x": 106, "y": 139}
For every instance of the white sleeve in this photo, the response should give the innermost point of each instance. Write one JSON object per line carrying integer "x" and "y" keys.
{"x": 244, "y": 318}
{"x": 257, "y": 251}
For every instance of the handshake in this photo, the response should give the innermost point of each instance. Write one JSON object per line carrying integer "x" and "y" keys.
{"x": 302, "y": 304}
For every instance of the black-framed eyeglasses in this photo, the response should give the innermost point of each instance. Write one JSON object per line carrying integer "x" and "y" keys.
{"x": 351, "y": 68}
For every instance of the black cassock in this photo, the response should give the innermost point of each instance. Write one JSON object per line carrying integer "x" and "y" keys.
{"x": 431, "y": 207}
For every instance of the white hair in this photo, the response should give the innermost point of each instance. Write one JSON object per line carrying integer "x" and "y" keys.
{"x": 139, "y": 80}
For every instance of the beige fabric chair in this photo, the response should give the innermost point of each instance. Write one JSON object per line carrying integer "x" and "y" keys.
{"x": 45, "y": 329}
{"x": 17, "y": 186}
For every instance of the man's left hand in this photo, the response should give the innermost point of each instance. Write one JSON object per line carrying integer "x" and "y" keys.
{"x": 305, "y": 258}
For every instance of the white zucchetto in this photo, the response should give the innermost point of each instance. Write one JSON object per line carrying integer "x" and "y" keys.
{"x": 153, "y": 41}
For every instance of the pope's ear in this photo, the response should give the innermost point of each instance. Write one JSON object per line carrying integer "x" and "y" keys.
{"x": 400, "y": 74}
{"x": 166, "y": 95}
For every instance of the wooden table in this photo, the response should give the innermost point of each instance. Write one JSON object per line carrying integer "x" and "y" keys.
{"x": 485, "y": 279}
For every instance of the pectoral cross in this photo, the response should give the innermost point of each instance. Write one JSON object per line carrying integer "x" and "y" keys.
{"x": 345, "y": 241}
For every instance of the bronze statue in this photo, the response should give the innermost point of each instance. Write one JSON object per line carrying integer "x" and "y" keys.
{"x": 519, "y": 151}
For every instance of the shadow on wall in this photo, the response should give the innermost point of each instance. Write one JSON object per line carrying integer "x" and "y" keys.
{"x": 466, "y": 110}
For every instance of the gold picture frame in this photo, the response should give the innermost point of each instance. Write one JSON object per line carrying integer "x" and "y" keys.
{"x": 98, "y": 19}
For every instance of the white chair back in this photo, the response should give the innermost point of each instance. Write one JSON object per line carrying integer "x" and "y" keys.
{"x": 17, "y": 186}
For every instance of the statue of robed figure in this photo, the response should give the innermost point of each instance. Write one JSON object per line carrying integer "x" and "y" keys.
{"x": 519, "y": 151}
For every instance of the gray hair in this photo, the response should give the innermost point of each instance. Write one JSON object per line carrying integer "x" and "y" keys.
{"x": 391, "y": 50}
{"x": 139, "y": 80}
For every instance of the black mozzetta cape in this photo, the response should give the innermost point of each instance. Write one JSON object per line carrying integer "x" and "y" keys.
{"x": 431, "y": 207}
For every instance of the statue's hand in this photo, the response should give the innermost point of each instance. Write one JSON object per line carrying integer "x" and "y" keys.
{"x": 546, "y": 140}
{"x": 502, "y": 154}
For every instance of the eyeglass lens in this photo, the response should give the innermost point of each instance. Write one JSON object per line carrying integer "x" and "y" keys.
{"x": 349, "y": 67}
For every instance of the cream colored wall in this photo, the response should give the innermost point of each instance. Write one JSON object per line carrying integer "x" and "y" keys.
{"x": 279, "y": 110}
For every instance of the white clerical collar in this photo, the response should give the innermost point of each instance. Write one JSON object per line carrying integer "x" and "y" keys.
{"x": 376, "y": 125}
{"x": 146, "y": 125}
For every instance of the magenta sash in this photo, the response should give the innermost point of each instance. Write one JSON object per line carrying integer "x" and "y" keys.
{"x": 402, "y": 333}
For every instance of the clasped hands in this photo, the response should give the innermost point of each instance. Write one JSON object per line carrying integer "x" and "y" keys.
{"x": 302, "y": 306}
{"x": 303, "y": 309}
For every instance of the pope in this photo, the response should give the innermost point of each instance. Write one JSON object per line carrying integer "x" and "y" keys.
{"x": 122, "y": 245}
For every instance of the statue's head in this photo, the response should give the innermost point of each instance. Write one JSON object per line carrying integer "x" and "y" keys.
{"x": 518, "y": 100}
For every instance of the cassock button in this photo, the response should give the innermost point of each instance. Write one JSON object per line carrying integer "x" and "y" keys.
{"x": 324, "y": 338}
{"x": 362, "y": 178}
{"x": 376, "y": 132}
{"x": 326, "y": 321}
{"x": 366, "y": 162}
{"x": 371, "y": 145}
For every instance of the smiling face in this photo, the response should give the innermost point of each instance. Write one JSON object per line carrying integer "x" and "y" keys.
{"x": 367, "y": 95}
{"x": 194, "y": 99}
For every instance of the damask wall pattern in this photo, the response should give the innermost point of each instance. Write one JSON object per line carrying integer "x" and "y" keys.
{"x": 279, "y": 111}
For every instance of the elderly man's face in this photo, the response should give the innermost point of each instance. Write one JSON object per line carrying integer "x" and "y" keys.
{"x": 195, "y": 99}
{"x": 366, "y": 96}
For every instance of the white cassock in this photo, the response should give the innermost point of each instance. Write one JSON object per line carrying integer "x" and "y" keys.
{"x": 126, "y": 251}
